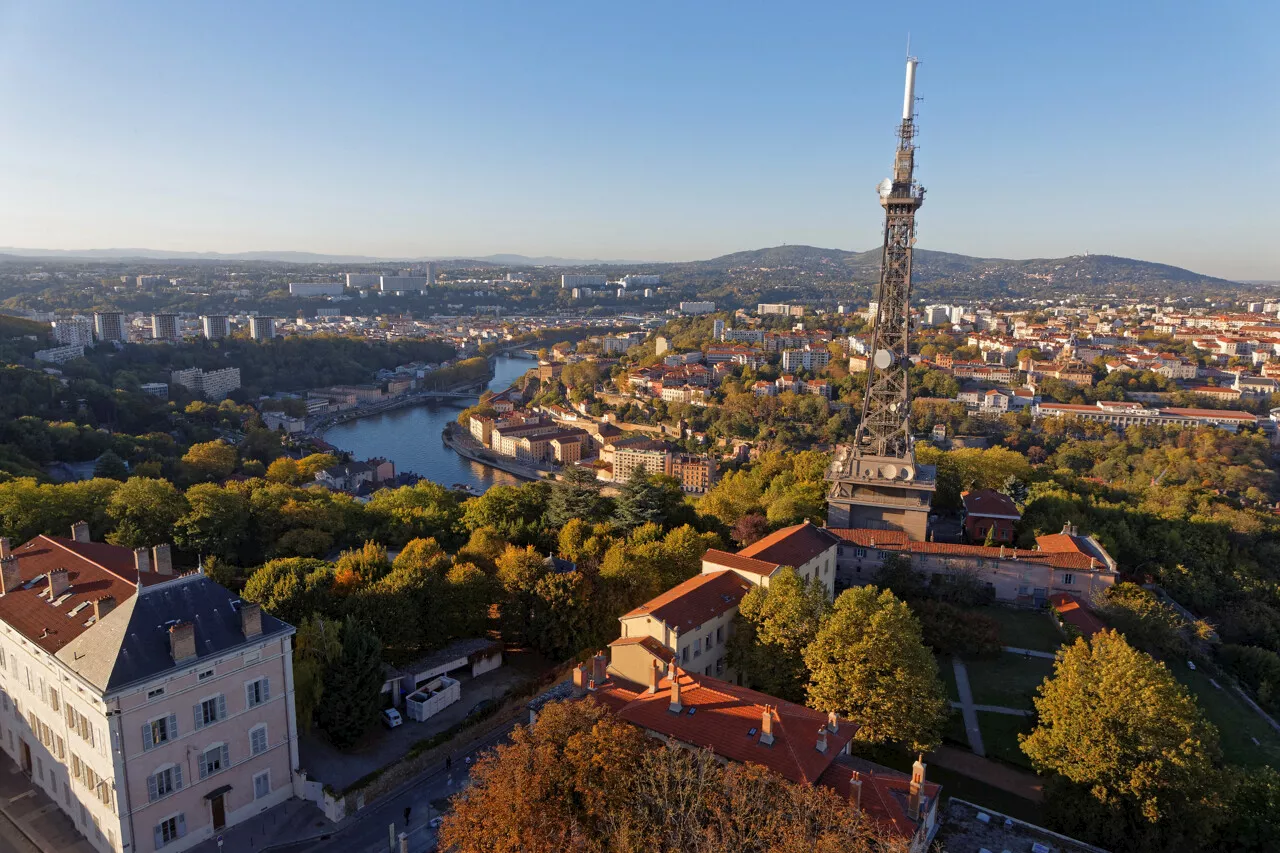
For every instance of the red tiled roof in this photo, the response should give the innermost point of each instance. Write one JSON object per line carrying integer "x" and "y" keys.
{"x": 989, "y": 503}
{"x": 790, "y": 546}
{"x": 868, "y": 538}
{"x": 726, "y": 719}
{"x": 94, "y": 570}
{"x": 739, "y": 562}
{"x": 1074, "y": 613}
{"x": 700, "y": 598}
{"x": 1213, "y": 413}
{"x": 893, "y": 540}
{"x": 885, "y": 793}
{"x": 650, "y": 644}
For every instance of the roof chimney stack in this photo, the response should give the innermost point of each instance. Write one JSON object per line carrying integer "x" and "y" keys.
{"x": 6, "y": 548}
{"x": 766, "y": 726}
{"x": 142, "y": 560}
{"x": 833, "y": 722}
{"x": 103, "y": 606}
{"x": 599, "y": 663}
{"x": 855, "y": 791}
{"x": 250, "y": 618}
{"x": 917, "y": 789}
{"x": 822, "y": 739}
{"x": 579, "y": 677}
{"x": 182, "y": 640}
{"x": 80, "y": 531}
{"x": 675, "y": 707}
{"x": 163, "y": 559}
{"x": 9, "y": 577}
{"x": 655, "y": 675}
{"x": 58, "y": 583}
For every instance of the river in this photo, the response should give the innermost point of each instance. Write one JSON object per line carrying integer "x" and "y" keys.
{"x": 410, "y": 437}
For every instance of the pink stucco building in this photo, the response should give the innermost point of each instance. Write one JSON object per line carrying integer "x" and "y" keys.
{"x": 154, "y": 708}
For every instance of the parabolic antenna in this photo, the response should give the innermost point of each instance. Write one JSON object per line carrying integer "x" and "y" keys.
{"x": 889, "y": 472}
{"x": 907, "y": 472}
{"x": 884, "y": 358}
{"x": 885, "y": 187}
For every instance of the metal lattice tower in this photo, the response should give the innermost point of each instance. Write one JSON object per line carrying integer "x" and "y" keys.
{"x": 875, "y": 481}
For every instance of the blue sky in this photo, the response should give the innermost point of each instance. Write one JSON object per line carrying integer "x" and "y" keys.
{"x": 656, "y": 130}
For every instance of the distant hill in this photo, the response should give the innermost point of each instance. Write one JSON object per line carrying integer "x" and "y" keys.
{"x": 964, "y": 274}
{"x": 10, "y": 253}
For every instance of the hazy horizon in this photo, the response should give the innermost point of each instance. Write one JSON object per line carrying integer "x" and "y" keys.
{"x": 661, "y": 133}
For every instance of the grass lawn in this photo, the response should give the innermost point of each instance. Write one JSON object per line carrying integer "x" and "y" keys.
{"x": 1000, "y": 737}
{"x": 1009, "y": 680}
{"x": 947, "y": 672}
{"x": 1025, "y": 629}
{"x": 1237, "y": 723}
{"x": 955, "y": 732}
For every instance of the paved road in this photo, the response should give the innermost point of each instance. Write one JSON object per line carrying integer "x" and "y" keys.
{"x": 13, "y": 841}
{"x": 995, "y": 709}
{"x": 967, "y": 709}
{"x": 1031, "y": 653}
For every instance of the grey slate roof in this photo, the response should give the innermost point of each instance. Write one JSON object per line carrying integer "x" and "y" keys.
{"x": 132, "y": 642}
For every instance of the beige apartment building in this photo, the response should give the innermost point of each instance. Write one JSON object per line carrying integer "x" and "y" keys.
{"x": 807, "y": 548}
{"x": 154, "y": 709}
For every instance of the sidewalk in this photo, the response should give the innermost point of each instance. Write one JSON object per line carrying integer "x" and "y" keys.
{"x": 966, "y": 708}
{"x": 1020, "y": 782}
{"x": 35, "y": 815}
{"x": 1030, "y": 653}
{"x": 288, "y": 823}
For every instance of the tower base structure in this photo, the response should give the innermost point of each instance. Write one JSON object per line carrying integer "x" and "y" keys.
{"x": 880, "y": 493}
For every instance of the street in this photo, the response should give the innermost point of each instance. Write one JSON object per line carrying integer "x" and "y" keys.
{"x": 13, "y": 841}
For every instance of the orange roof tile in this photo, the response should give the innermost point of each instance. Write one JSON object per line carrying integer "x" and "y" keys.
{"x": 697, "y": 600}
{"x": 791, "y": 546}
{"x": 650, "y": 644}
{"x": 1074, "y": 613}
{"x": 737, "y": 561}
{"x": 885, "y": 792}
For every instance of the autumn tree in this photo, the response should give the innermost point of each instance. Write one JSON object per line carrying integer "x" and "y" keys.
{"x": 774, "y": 625}
{"x": 352, "y": 687}
{"x": 1131, "y": 749}
{"x": 210, "y": 460}
{"x": 577, "y": 496}
{"x": 144, "y": 511}
{"x": 869, "y": 663}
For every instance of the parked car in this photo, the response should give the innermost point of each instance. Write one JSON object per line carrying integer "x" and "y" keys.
{"x": 391, "y": 718}
{"x": 480, "y": 707}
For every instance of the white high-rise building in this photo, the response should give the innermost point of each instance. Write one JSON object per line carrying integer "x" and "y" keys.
{"x": 109, "y": 325}
{"x": 164, "y": 327}
{"x": 717, "y": 330}
{"x": 214, "y": 326}
{"x": 644, "y": 280}
{"x": 572, "y": 280}
{"x": 363, "y": 279}
{"x": 73, "y": 331}
{"x": 402, "y": 283}
{"x": 697, "y": 307}
{"x": 315, "y": 288}
{"x": 262, "y": 328}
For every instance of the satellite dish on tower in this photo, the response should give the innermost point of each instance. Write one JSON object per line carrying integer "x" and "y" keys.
{"x": 883, "y": 359}
{"x": 885, "y": 187}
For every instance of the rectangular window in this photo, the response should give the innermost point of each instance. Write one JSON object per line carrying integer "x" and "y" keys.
{"x": 210, "y": 711}
{"x": 170, "y": 830}
{"x": 859, "y": 552}
{"x": 155, "y": 694}
{"x": 720, "y": 666}
{"x": 1068, "y": 579}
{"x": 256, "y": 692}
{"x": 54, "y": 703}
{"x": 258, "y": 740}
{"x": 720, "y": 634}
{"x": 684, "y": 655}
{"x": 208, "y": 673}
{"x": 164, "y": 782}
{"x": 214, "y": 760}
{"x": 262, "y": 784}
{"x": 158, "y": 731}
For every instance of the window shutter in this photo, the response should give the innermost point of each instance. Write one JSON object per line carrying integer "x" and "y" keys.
{"x": 153, "y": 789}
{"x": 159, "y": 837}
{"x": 222, "y": 707}
{"x": 199, "y": 718}
{"x": 177, "y": 777}
{"x": 266, "y": 689}
{"x": 182, "y": 825}
{"x": 226, "y": 756}
{"x": 248, "y": 695}
{"x": 147, "y": 741}
{"x": 172, "y": 726}
{"x": 204, "y": 771}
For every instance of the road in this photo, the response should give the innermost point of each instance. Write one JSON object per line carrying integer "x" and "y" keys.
{"x": 369, "y": 830}
{"x": 11, "y": 840}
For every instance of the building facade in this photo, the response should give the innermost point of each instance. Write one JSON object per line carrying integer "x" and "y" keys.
{"x": 108, "y": 326}
{"x": 73, "y": 331}
{"x": 214, "y": 326}
{"x": 164, "y": 327}
{"x": 262, "y": 328}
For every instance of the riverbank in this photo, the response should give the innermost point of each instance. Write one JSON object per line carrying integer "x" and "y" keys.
{"x": 466, "y": 447}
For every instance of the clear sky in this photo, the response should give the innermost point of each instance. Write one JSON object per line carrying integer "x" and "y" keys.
{"x": 650, "y": 130}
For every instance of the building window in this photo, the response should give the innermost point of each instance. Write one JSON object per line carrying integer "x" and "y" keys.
{"x": 684, "y": 655}
{"x": 158, "y": 731}
{"x": 169, "y": 830}
{"x": 155, "y": 694}
{"x": 215, "y": 759}
{"x": 208, "y": 673}
{"x": 164, "y": 782}
{"x": 1068, "y": 579}
{"x": 859, "y": 552}
{"x": 720, "y": 634}
{"x": 258, "y": 740}
{"x": 261, "y": 784}
{"x": 720, "y": 666}
{"x": 211, "y": 710}
{"x": 256, "y": 692}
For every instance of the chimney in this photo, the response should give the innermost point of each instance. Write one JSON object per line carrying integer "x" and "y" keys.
{"x": 103, "y": 606}
{"x": 1002, "y": 552}
{"x": 855, "y": 791}
{"x": 579, "y": 677}
{"x": 655, "y": 675}
{"x": 917, "y": 789}
{"x": 58, "y": 583}
{"x": 182, "y": 641}
{"x": 598, "y": 665}
{"x": 250, "y": 618}
{"x": 9, "y": 577}
{"x": 142, "y": 560}
{"x": 822, "y": 739}
{"x": 163, "y": 559}
{"x": 766, "y": 726}
{"x": 6, "y": 548}
{"x": 591, "y": 685}
{"x": 675, "y": 707}
{"x": 833, "y": 722}
{"x": 80, "y": 531}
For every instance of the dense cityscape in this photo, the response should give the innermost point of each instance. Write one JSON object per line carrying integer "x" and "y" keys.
{"x": 790, "y": 549}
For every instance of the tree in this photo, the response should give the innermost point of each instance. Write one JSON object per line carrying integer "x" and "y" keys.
{"x": 111, "y": 466}
{"x": 775, "y": 624}
{"x": 1016, "y": 490}
{"x": 210, "y": 460}
{"x": 144, "y": 511}
{"x": 352, "y": 687}
{"x": 1129, "y": 743}
{"x": 750, "y": 528}
{"x": 518, "y": 571}
{"x": 577, "y": 496}
{"x": 355, "y": 568}
{"x": 216, "y": 521}
{"x": 292, "y": 588}
{"x": 869, "y": 663}
{"x": 515, "y": 512}
{"x": 317, "y": 647}
{"x": 640, "y": 502}
{"x": 425, "y": 509}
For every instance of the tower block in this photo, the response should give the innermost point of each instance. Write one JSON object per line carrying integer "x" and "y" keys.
{"x": 875, "y": 482}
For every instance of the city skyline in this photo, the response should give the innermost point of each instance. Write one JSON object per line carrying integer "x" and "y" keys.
{"x": 655, "y": 134}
